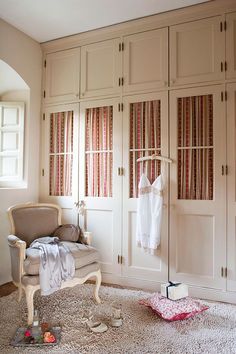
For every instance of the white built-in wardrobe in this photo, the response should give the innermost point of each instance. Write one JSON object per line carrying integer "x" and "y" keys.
{"x": 164, "y": 85}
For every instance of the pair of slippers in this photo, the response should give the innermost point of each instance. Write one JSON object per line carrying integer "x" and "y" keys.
{"x": 100, "y": 327}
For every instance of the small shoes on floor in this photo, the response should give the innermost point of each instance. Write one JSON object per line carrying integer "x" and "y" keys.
{"x": 95, "y": 326}
{"x": 100, "y": 327}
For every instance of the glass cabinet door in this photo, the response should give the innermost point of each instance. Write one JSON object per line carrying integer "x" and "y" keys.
{"x": 198, "y": 187}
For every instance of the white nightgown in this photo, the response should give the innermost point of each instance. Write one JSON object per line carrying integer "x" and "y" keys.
{"x": 149, "y": 213}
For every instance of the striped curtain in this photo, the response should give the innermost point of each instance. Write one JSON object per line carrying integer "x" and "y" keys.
{"x": 61, "y": 153}
{"x": 195, "y": 148}
{"x": 98, "y": 151}
{"x": 145, "y": 140}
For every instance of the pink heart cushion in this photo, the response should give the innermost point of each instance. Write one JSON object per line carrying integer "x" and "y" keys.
{"x": 173, "y": 310}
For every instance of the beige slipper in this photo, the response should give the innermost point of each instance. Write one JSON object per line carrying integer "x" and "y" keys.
{"x": 95, "y": 326}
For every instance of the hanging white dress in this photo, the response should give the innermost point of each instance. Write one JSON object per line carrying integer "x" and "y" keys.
{"x": 149, "y": 213}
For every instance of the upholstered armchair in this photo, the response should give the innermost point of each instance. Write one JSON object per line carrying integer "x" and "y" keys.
{"x": 30, "y": 221}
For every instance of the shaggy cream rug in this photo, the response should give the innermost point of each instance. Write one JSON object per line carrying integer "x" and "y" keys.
{"x": 212, "y": 331}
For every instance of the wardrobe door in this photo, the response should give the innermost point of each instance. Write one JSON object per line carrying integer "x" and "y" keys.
{"x": 231, "y": 186}
{"x": 100, "y": 187}
{"x": 60, "y": 159}
{"x": 100, "y": 69}
{"x": 231, "y": 45}
{"x": 146, "y": 60}
{"x": 196, "y": 52}
{"x": 145, "y": 132}
{"x": 198, "y": 187}
{"x": 62, "y": 76}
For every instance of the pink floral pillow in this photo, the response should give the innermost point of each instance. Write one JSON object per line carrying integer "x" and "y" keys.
{"x": 173, "y": 310}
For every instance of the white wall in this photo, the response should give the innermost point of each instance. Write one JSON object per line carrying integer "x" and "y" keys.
{"x": 24, "y": 55}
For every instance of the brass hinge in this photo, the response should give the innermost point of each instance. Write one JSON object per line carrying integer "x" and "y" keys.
{"x": 45, "y": 63}
{"x": 225, "y": 65}
{"x": 223, "y": 96}
{"x": 226, "y": 170}
{"x": 122, "y": 81}
{"x": 122, "y": 46}
{"x": 120, "y": 107}
{"x": 225, "y": 25}
{"x": 43, "y": 172}
{"x": 120, "y": 259}
{"x": 221, "y": 26}
{"x": 224, "y": 272}
{"x": 44, "y": 93}
{"x": 43, "y": 116}
{"x": 221, "y": 66}
{"x": 222, "y": 170}
{"x": 120, "y": 171}
{"x": 119, "y": 47}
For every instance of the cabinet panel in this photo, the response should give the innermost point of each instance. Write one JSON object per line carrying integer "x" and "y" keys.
{"x": 231, "y": 45}
{"x": 100, "y": 68}
{"x": 100, "y": 187}
{"x": 197, "y": 187}
{"x": 145, "y": 131}
{"x": 146, "y": 60}
{"x": 62, "y": 76}
{"x": 196, "y": 52}
{"x": 231, "y": 186}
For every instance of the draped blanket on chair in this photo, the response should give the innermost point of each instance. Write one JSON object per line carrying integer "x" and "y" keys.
{"x": 56, "y": 263}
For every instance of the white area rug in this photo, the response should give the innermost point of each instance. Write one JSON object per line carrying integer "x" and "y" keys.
{"x": 213, "y": 331}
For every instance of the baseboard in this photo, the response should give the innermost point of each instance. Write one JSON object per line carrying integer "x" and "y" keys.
{"x": 196, "y": 292}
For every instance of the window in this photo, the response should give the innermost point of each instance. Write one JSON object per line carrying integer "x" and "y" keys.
{"x": 11, "y": 143}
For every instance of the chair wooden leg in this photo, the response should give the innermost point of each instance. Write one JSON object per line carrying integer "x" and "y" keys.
{"x": 19, "y": 293}
{"x": 97, "y": 286}
{"x": 29, "y": 292}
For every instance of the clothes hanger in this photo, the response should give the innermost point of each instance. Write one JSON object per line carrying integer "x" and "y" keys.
{"x": 155, "y": 157}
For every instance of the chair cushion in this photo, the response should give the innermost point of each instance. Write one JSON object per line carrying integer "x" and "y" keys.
{"x": 79, "y": 273}
{"x": 82, "y": 254}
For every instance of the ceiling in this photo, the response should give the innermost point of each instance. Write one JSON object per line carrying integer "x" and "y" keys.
{"x": 44, "y": 20}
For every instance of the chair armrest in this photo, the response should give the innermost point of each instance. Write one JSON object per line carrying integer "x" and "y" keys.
{"x": 15, "y": 241}
{"x": 17, "y": 252}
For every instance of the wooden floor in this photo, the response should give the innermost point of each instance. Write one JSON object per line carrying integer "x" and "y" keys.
{"x": 7, "y": 289}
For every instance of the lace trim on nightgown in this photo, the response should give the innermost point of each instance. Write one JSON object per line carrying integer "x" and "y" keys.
{"x": 149, "y": 189}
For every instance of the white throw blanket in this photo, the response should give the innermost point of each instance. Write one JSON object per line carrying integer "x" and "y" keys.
{"x": 56, "y": 263}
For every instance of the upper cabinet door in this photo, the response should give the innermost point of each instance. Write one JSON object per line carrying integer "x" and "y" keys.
{"x": 231, "y": 45}
{"x": 62, "y": 76}
{"x": 100, "y": 69}
{"x": 146, "y": 60}
{"x": 197, "y": 52}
